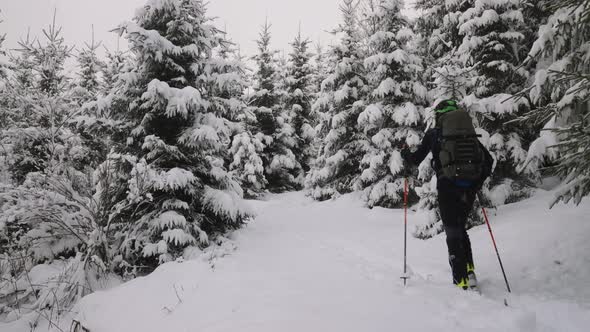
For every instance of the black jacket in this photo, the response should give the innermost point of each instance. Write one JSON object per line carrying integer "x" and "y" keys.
{"x": 432, "y": 143}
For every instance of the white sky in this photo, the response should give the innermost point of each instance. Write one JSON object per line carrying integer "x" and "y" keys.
{"x": 242, "y": 18}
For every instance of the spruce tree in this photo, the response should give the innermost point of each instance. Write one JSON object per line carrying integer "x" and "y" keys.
{"x": 89, "y": 69}
{"x": 282, "y": 170}
{"x": 559, "y": 95}
{"x": 46, "y": 156}
{"x": 320, "y": 69}
{"x": 40, "y": 106}
{"x": 394, "y": 113}
{"x": 493, "y": 48}
{"x": 298, "y": 100}
{"x": 179, "y": 193}
{"x": 244, "y": 156}
{"x": 339, "y": 158}
{"x": 114, "y": 64}
{"x": 475, "y": 49}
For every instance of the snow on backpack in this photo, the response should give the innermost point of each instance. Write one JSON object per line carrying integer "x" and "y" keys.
{"x": 461, "y": 155}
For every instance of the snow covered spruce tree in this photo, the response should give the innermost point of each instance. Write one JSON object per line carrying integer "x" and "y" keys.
{"x": 40, "y": 107}
{"x": 245, "y": 162}
{"x": 3, "y": 97}
{"x": 493, "y": 48}
{"x": 320, "y": 69}
{"x": 393, "y": 116}
{"x": 282, "y": 170}
{"x": 178, "y": 191}
{"x": 48, "y": 210}
{"x": 437, "y": 42}
{"x": 90, "y": 67}
{"x": 114, "y": 64}
{"x": 560, "y": 97}
{"x": 337, "y": 167}
{"x": 298, "y": 99}
{"x": 474, "y": 49}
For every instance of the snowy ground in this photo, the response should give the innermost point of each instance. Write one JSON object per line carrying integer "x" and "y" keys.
{"x": 335, "y": 266}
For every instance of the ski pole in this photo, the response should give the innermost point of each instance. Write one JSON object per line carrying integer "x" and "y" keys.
{"x": 405, "y": 276}
{"x": 493, "y": 241}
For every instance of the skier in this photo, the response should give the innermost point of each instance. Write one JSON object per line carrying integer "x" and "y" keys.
{"x": 462, "y": 164}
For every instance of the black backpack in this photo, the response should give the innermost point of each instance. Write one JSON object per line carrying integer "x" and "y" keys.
{"x": 461, "y": 155}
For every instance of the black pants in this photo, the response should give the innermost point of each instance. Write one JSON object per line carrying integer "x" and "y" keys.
{"x": 455, "y": 204}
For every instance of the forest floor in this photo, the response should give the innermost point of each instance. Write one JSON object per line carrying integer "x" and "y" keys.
{"x": 335, "y": 266}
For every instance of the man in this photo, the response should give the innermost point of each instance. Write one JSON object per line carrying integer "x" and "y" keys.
{"x": 461, "y": 164}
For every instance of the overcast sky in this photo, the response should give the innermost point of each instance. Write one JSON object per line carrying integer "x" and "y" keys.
{"x": 241, "y": 18}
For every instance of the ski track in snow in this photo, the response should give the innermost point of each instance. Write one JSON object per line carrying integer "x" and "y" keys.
{"x": 335, "y": 266}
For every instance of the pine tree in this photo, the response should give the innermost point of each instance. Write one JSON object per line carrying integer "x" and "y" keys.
{"x": 393, "y": 116}
{"x": 338, "y": 165}
{"x": 282, "y": 170}
{"x": 179, "y": 193}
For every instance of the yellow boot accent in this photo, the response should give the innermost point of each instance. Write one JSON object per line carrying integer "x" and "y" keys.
{"x": 470, "y": 268}
{"x": 464, "y": 283}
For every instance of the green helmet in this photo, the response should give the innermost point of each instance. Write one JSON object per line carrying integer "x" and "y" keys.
{"x": 446, "y": 106}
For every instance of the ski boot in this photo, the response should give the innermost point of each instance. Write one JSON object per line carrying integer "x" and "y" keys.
{"x": 471, "y": 278}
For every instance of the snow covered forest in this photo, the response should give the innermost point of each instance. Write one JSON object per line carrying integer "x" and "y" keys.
{"x": 155, "y": 153}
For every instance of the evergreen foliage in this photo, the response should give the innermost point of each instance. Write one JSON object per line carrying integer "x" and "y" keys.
{"x": 145, "y": 157}
{"x": 394, "y": 114}
{"x": 177, "y": 100}
{"x": 298, "y": 99}
{"x": 282, "y": 169}
{"x": 560, "y": 95}
{"x": 337, "y": 166}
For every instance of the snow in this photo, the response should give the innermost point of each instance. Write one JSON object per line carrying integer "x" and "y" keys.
{"x": 174, "y": 179}
{"x": 335, "y": 266}
{"x": 406, "y": 114}
{"x": 370, "y": 117}
{"x": 179, "y": 101}
{"x": 225, "y": 203}
{"x": 169, "y": 219}
{"x": 500, "y": 104}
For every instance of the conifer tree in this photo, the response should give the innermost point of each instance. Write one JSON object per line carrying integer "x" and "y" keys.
{"x": 3, "y": 63}
{"x": 559, "y": 96}
{"x": 298, "y": 100}
{"x": 282, "y": 170}
{"x": 46, "y": 155}
{"x": 179, "y": 193}
{"x": 493, "y": 48}
{"x": 338, "y": 165}
{"x": 474, "y": 49}
{"x": 40, "y": 107}
{"x": 245, "y": 162}
{"x": 394, "y": 114}
{"x": 90, "y": 68}
{"x": 115, "y": 63}
{"x": 320, "y": 69}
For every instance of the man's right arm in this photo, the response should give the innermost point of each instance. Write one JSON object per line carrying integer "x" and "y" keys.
{"x": 425, "y": 147}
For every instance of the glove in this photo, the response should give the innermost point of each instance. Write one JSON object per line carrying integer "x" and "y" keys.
{"x": 406, "y": 155}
